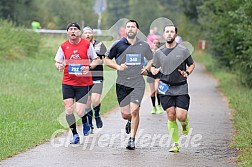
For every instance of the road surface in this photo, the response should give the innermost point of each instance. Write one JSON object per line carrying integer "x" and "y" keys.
{"x": 205, "y": 146}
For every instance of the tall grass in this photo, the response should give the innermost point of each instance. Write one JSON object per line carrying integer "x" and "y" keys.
{"x": 240, "y": 100}
{"x": 16, "y": 42}
{"x": 30, "y": 93}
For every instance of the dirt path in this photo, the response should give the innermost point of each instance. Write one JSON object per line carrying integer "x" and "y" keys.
{"x": 206, "y": 145}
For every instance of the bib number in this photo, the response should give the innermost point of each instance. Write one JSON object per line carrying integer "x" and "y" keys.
{"x": 74, "y": 69}
{"x": 162, "y": 88}
{"x": 133, "y": 59}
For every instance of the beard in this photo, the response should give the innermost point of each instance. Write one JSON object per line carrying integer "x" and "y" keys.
{"x": 131, "y": 35}
{"x": 170, "y": 40}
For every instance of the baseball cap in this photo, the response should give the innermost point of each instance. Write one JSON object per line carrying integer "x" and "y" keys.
{"x": 73, "y": 25}
{"x": 87, "y": 28}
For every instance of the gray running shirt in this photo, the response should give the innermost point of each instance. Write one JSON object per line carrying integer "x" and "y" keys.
{"x": 131, "y": 76}
{"x": 170, "y": 60}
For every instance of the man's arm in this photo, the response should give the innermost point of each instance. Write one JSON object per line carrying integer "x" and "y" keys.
{"x": 59, "y": 59}
{"x": 109, "y": 55}
{"x": 188, "y": 71}
{"x": 110, "y": 63}
{"x": 92, "y": 55}
{"x": 146, "y": 70}
{"x": 95, "y": 62}
{"x": 156, "y": 66}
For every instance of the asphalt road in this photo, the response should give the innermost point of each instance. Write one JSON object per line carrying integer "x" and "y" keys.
{"x": 205, "y": 146}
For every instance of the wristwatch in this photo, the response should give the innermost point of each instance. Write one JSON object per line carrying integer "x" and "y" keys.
{"x": 187, "y": 72}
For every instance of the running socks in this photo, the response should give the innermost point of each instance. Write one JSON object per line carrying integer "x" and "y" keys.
{"x": 71, "y": 122}
{"x": 89, "y": 112}
{"x": 84, "y": 119}
{"x": 153, "y": 100}
{"x": 173, "y": 130}
{"x": 97, "y": 110}
{"x": 158, "y": 98}
{"x": 185, "y": 126}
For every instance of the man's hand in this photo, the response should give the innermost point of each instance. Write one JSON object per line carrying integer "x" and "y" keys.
{"x": 85, "y": 69}
{"x": 155, "y": 70}
{"x": 121, "y": 67}
{"x": 184, "y": 73}
{"x": 144, "y": 71}
{"x": 59, "y": 66}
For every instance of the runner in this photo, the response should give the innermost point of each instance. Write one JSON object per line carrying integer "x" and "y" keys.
{"x": 129, "y": 54}
{"x": 35, "y": 25}
{"x": 97, "y": 76}
{"x": 72, "y": 58}
{"x": 175, "y": 64}
{"x": 153, "y": 81}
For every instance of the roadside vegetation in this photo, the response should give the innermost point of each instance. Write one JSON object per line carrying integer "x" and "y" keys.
{"x": 30, "y": 92}
{"x": 240, "y": 102}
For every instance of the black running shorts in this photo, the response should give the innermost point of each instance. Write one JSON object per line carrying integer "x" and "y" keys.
{"x": 125, "y": 95}
{"x": 79, "y": 93}
{"x": 151, "y": 78}
{"x": 181, "y": 101}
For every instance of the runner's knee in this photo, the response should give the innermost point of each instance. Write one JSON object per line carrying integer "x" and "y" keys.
{"x": 69, "y": 110}
{"x": 126, "y": 116}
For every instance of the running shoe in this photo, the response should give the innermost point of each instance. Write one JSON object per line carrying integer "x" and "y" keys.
{"x": 174, "y": 149}
{"x": 99, "y": 123}
{"x": 153, "y": 111}
{"x": 86, "y": 129}
{"x": 131, "y": 144}
{"x": 75, "y": 139}
{"x": 128, "y": 127}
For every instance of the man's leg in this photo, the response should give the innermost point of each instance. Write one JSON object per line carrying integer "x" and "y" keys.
{"x": 134, "y": 113}
{"x": 123, "y": 98}
{"x": 97, "y": 107}
{"x": 125, "y": 112}
{"x": 159, "y": 108}
{"x": 182, "y": 116}
{"x": 153, "y": 97}
{"x": 70, "y": 118}
{"x": 134, "y": 110}
{"x": 136, "y": 97}
{"x": 82, "y": 94}
{"x": 173, "y": 128}
{"x": 182, "y": 103}
{"x": 89, "y": 112}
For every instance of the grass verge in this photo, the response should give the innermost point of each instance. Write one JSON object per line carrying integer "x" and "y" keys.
{"x": 240, "y": 100}
{"x": 31, "y": 99}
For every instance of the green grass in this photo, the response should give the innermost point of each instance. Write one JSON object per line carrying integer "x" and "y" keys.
{"x": 240, "y": 100}
{"x": 31, "y": 99}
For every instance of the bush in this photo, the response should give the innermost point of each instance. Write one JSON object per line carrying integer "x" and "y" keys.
{"x": 227, "y": 26}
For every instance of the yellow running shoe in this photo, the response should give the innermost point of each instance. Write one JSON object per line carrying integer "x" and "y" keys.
{"x": 159, "y": 109}
{"x": 153, "y": 111}
{"x": 174, "y": 149}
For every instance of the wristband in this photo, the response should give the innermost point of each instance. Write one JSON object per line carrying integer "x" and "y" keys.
{"x": 187, "y": 72}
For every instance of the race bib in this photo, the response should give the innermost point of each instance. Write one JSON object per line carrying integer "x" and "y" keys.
{"x": 162, "y": 87}
{"x": 133, "y": 59}
{"x": 74, "y": 69}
